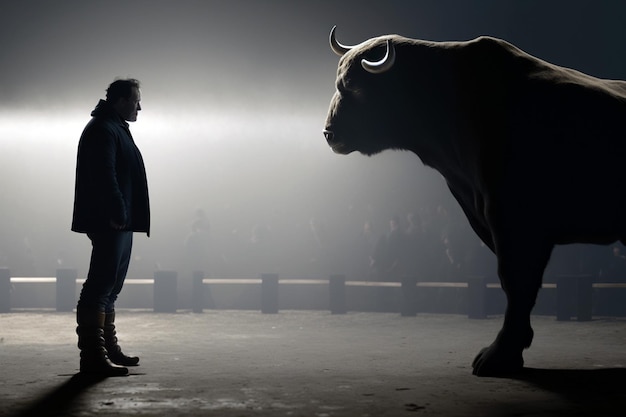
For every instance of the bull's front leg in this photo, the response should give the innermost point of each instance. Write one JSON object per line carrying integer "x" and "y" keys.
{"x": 520, "y": 268}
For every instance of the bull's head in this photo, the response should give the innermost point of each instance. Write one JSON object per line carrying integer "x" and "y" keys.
{"x": 356, "y": 116}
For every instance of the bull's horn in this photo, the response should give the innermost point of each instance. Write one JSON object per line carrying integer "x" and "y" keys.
{"x": 384, "y": 64}
{"x": 337, "y": 48}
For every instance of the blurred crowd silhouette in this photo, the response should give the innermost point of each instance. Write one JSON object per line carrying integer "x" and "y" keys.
{"x": 428, "y": 244}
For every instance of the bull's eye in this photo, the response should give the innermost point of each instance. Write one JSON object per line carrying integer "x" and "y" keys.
{"x": 350, "y": 93}
{"x": 348, "y": 86}
{"x": 357, "y": 93}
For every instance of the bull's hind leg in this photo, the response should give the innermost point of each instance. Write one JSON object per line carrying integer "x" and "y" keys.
{"x": 521, "y": 271}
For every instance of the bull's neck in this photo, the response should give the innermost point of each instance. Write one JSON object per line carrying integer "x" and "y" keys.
{"x": 446, "y": 153}
{"x": 444, "y": 128}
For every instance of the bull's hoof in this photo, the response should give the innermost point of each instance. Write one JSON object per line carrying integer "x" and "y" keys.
{"x": 495, "y": 360}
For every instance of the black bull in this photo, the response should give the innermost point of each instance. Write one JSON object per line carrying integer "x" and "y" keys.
{"x": 534, "y": 153}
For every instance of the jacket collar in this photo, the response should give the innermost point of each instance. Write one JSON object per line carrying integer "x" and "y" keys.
{"x": 104, "y": 110}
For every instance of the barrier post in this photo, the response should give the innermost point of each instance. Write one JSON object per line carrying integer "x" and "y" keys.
{"x": 165, "y": 291}
{"x": 66, "y": 289}
{"x": 269, "y": 293}
{"x": 197, "y": 298}
{"x": 408, "y": 307}
{"x": 337, "y": 294}
{"x": 476, "y": 297}
{"x": 5, "y": 290}
{"x": 584, "y": 289}
{"x": 565, "y": 297}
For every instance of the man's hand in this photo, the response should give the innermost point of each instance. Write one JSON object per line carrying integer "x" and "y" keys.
{"x": 116, "y": 226}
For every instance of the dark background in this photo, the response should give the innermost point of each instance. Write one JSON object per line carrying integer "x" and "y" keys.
{"x": 239, "y": 52}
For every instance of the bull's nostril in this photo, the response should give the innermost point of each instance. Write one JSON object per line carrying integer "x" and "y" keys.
{"x": 328, "y": 135}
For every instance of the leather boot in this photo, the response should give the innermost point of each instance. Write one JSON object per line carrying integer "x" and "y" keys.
{"x": 93, "y": 354}
{"x": 114, "y": 351}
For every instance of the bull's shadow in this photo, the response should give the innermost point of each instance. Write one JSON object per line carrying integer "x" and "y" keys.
{"x": 595, "y": 392}
{"x": 60, "y": 400}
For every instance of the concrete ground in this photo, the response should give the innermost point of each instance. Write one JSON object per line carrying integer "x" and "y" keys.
{"x": 310, "y": 363}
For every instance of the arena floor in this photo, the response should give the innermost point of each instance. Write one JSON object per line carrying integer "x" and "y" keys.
{"x": 310, "y": 364}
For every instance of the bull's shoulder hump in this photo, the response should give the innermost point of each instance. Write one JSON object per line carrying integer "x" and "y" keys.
{"x": 536, "y": 68}
{"x": 488, "y": 45}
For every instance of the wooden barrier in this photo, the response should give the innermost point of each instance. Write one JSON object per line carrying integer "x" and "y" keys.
{"x": 5, "y": 290}
{"x": 337, "y": 294}
{"x": 197, "y": 296}
{"x": 574, "y": 294}
{"x": 269, "y": 293}
{"x": 165, "y": 291}
{"x": 477, "y": 297}
{"x": 574, "y": 297}
{"x": 66, "y": 289}
{"x": 408, "y": 305}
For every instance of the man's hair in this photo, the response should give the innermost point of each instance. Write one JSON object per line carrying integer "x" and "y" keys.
{"x": 121, "y": 89}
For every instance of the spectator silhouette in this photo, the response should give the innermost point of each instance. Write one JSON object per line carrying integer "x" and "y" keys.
{"x": 197, "y": 244}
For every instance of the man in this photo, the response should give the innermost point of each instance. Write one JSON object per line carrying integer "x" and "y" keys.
{"x": 110, "y": 203}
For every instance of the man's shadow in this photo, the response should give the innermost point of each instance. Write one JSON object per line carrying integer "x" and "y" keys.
{"x": 60, "y": 400}
{"x": 595, "y": 391}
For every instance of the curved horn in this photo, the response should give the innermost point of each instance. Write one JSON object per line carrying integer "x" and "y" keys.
{"x": 384, "y": 64}
{"x": 337, "y": 48}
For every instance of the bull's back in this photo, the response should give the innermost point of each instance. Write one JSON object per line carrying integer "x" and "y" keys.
{"x": 561, "y": 136}
{"x": 541, "y": 110}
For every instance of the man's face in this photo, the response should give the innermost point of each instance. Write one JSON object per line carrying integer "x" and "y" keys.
{"x": 128, "y": 108}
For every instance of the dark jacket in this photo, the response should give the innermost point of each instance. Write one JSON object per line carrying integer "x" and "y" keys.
{"x": 111, "y": 180}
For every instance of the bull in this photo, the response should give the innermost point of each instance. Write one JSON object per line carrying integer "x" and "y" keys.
{"x": 533, "y": 152}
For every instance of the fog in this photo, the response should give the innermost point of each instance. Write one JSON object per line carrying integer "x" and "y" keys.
{"x": 242, "y": 175}
{"x": 234, "y": 97}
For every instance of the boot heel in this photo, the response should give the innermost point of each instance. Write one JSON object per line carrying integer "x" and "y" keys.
{"x": 114, "y": 350}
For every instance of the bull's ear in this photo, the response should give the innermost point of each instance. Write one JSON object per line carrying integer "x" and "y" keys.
{"x": 384, "y": 64}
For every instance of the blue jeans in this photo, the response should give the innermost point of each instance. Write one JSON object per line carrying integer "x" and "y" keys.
{"x": 110, "y": 257}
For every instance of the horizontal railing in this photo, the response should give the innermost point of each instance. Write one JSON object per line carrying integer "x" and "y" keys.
{"x": 574, "y": 293}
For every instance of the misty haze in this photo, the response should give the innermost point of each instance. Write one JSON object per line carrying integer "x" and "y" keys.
{"x": 242, "y": 172}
